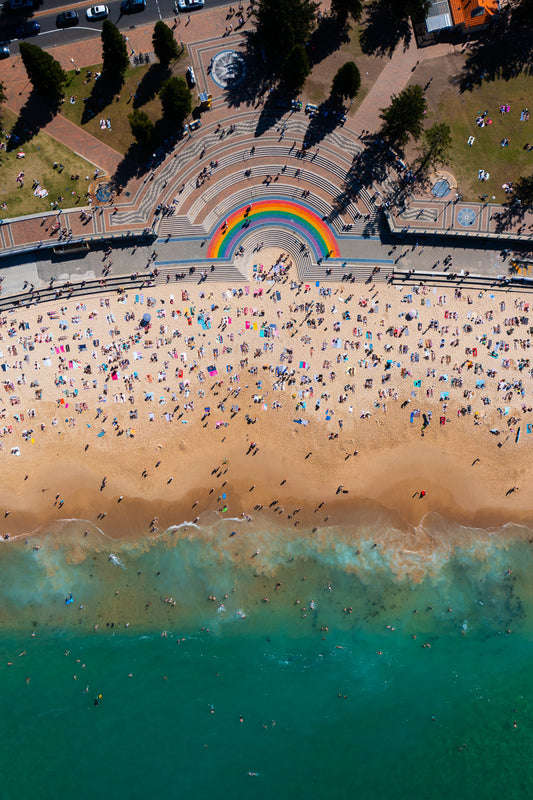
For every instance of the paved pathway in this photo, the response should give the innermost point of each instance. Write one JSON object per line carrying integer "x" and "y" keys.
{"x": 84, "y": 144}
{"x": 393, "y": 78}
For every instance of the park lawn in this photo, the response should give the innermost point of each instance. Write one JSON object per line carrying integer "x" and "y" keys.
{"x": 119, "y": 136}
{"x": 504, "y": 164}
{"x": 370, "y": 67}
{"x": 318, "y": 84}
{"x": 40, "y": 154}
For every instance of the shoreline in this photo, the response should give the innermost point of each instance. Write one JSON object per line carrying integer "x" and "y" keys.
{"x": 201, "y": 579}
{"x": 374, "y": 489}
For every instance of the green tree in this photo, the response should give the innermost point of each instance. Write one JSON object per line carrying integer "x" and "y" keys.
{"x": 523, "y": 191}
{"x": 45, "y": 73}
{"x": 403, "y": 118}
{"x": 347, "y": 80}
{"x": 282, "y": 24}
{"x": 436, "y": 145}
{"x": 176, "y": 100}
{"x": 114, "y": 53}
{"x": 164, "y": 44}
{"x": 296, "y": 68}
{"x": 403, "y": 9}
{"x": 342, "y": 9}
{"x": 523, "y": 12}
{"x": 142, "y": 127}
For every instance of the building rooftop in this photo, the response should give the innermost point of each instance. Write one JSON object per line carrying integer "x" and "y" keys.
{"x": 438, "y": 16}
{"x": 472, "y": 13}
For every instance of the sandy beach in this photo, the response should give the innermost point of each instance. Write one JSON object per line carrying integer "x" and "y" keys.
{"x": 272, "y": 399}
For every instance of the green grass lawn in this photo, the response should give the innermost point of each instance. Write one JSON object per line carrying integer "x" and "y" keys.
{"x": 40, "y": 154}
{"x": 137, "y": 79}
{"x": 370, "y": 67}
{"x": 318, "y": 84}
{"x": 119, "y": 135}
{"x": 504, "y": 164}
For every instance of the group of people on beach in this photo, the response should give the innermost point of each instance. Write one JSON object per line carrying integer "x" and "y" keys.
{"x": 321, "y": 355}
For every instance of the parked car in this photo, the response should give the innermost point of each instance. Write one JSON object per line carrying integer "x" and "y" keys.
{"x": 190, "y": 5}
{"x": 67, "y": 19}
{"x": 4, "y": 51}
{"x": 132, "y": 6}
{"x": 28, "y": 28}
{"x": 191, "y": 77}
{"x": 97, "y": 12}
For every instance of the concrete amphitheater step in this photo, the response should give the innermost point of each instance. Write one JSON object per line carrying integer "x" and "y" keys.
{"x": 179, "y": 226}
{"x": 268, "y": 238}
{"x": 360, "y": 273}
{"x": 334, "y": 160}
{"x": 244, "y": 196}
{"x": 305, "y": 179}
{"x": 245, "y": 126}
{"x": 224, "y": 271}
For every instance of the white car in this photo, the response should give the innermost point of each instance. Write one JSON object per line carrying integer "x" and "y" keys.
{"x": 191, "y": 77}
{"x": 97, "y": 12}
{"x": 190, "y": 5}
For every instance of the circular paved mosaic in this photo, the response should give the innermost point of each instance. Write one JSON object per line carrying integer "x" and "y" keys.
{"x": 466, "y": 217}
{"x": 441, "y": 188}
{"x": 228, "y": 68}
{"x": 104, "y": 193}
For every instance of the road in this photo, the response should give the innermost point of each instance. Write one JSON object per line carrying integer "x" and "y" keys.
{"x": 50, "y": 36}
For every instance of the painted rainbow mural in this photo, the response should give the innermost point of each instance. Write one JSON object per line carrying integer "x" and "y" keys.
{"x": 274, "y": 212}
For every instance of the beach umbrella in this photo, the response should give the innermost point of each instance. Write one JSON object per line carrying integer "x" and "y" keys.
{"x": 147, "y": 317}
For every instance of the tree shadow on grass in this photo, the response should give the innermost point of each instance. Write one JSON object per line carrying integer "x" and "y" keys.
{"x": 150, "y": 84}
{"x": 503, "y": 52}
{"x": 327, "y": 38}
{"x": 382, "y": 33}
{"x": 103, "y": 91}
{"x": 33, "y": 116}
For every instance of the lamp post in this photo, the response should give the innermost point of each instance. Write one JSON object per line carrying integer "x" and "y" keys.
{"x": 131, "y": 46}
{"x": 75, "y": 66}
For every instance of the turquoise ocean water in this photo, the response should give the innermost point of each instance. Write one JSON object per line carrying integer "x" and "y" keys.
{"x": 423, "y": 690}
